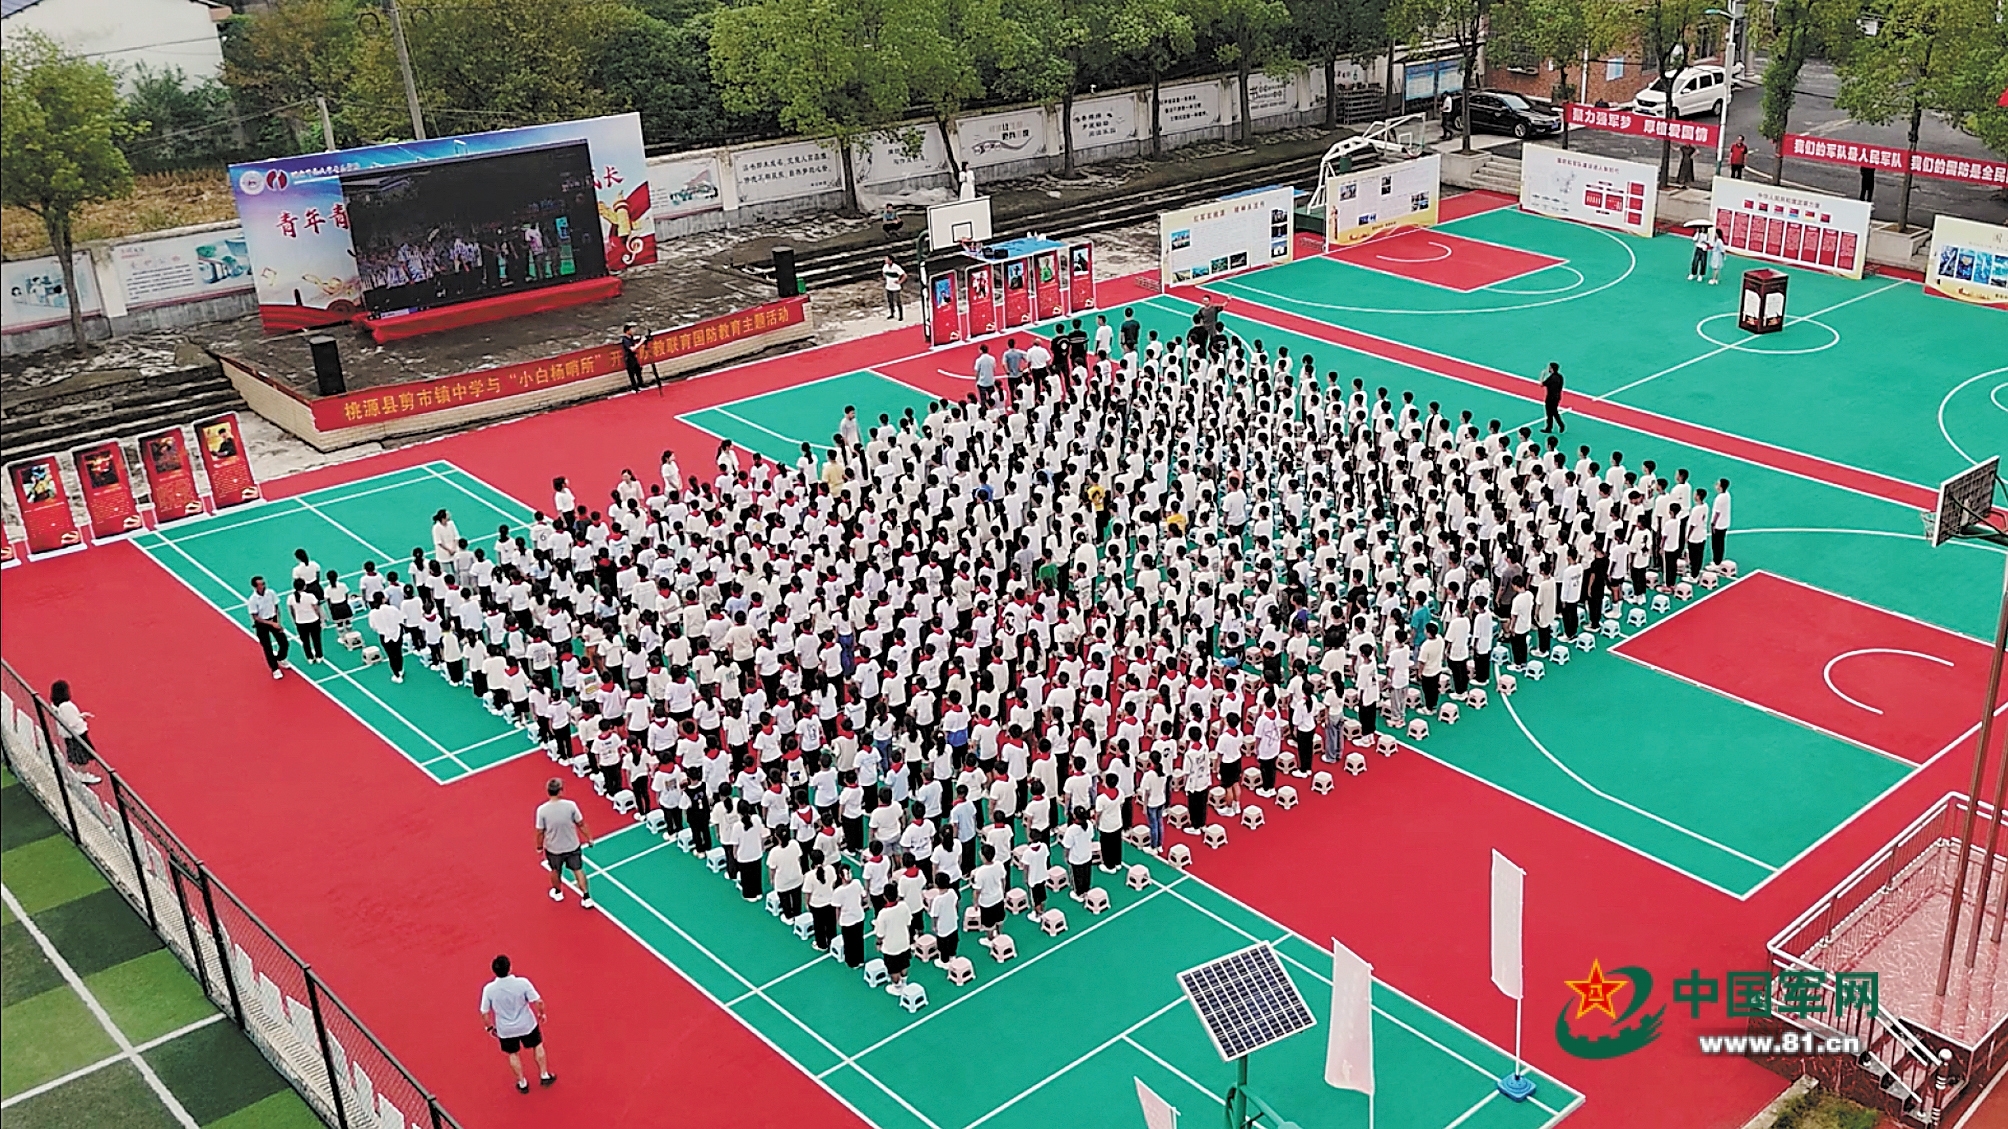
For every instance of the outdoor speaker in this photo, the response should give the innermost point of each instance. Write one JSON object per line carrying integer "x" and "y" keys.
{"x": 327, "y": 364}
{"x": 784, "y": 271}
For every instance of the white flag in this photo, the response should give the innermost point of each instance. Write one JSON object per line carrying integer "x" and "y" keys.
{"x": 1157, "y": 1113}
{"x": 1508, "y": 891}
{"x": 1349, "y": 1050}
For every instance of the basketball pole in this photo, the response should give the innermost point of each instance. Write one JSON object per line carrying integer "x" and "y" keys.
{"x": 2000, "y": 783}
{"x": 1973, "y": 797}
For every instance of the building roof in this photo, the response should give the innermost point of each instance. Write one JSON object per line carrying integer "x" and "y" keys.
{"x": 9, "y": 7}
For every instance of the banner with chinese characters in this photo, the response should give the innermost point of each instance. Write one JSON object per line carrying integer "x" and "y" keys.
{"x": 421, "y": 397}
{"x": 106, "y": 482}
{"x": 1104, "y": 121}
{"x": 1587, "y": 188}
{"x": 785, "y": 171}
{"x": 982, "y": 300}
{"x": 296, "y": 218}
{"x": 1701, "y": 134}
{"x": 1234, "y": 233}
{"x": 1081, "y": 276}
{"x": 1973, "y": 170}
{"x": 44, "y": 505}
{"x": 182, "y": 268}
{"x": 170, "y": 476}
{"x": 226, "y": 462}
{"x": 1785, "y": 225}
{"x": 1969, "y": 262}
{"x": 994, "y": 139}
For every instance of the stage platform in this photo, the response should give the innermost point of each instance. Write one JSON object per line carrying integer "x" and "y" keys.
{"x": 480, "y": 311}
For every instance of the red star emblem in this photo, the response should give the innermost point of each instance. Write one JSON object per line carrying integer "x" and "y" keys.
{"x": 1597, "y": 992}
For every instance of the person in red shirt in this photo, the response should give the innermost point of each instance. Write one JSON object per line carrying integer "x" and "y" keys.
{"x": 1738, "y": 153}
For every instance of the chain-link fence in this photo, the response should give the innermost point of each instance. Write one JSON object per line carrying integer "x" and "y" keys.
{"x": 313, "y": 1038}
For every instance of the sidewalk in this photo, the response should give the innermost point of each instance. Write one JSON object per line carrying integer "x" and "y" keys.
{"x": 100, "y": 1025}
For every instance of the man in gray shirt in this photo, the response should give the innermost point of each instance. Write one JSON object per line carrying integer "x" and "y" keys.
{"x": 561, "y": 837}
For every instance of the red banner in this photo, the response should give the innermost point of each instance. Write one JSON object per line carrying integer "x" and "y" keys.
{"x": 1017, "y": 293}
{"x": 419, "y": 397}
{"x": 226, "y": 462}
{"x": 944, "y": 320}
{"x": 1643, "y": 125}
{"x": 1972, "y": 170}
{"x": 44, "y": 505}
{"x": 106, "y": 482}
{"x": 170, "y": 476}
{"x": 982, "y": 307}
{"x": 1081, "y": 276}
{"x": 1047, "y": 295}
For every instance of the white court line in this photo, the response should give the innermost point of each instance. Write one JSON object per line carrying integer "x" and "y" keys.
{"x": 202, "y": 525}
{"x": 1016, "y": 968}
{"x": 1580, "y": 280}
{"x": 514, "y": 518}
{"x": 1467, "y": 1114}
{"x": 126, "y": 1049}
{"x": 1827, "y": 672}
{"x": 1738, "y": 346}
{"x": 1943, "y": 430}
{"x": 1182, "y": 1075}
{"x": 353, "y": 535}
{"x": 744, "y": 996}
{"x": 72, "y": 1076}
{"x": 512, "y": 731}
{"x": 1443, "y": 247}
{"x": 1110, "y": 1042}
{"x": 1506, "y": 700}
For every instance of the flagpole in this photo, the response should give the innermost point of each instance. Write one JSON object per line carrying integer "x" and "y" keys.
{"x": 1518, "y": 1006}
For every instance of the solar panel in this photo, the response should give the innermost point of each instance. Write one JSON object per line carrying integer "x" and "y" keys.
{"x": 1246, "y": 1001}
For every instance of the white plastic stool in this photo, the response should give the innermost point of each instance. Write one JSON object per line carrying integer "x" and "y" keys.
{"x": 1418, "y": 730}
{"x": 1710, "y": 578}
{"x": 875, "y": 973}
{"x": 1613, "y": 629}
{"x": 1053, "y": 923}
{"x": 656, "y": 821}
{"x": 372, "y": 655}
{"x": 804, "y": 926}
{"x": 1215, "y": 837}
{"x": 1475, "y": 698}
{"x": 1096, "y": 900}
{"x": 1561, "y": 655}
{"x": 1635, "y": 617}
{"x": 927, "y": 947}
{"x": 1179, "y": 856}
{"x": 913, "y": 997}
{"x": 1286, "y": 797}
{"x": 683, "y": 839}
{"x": 960, "y": 970}
{"x": 1251, "y": 777}
{"x": 1448, "y": 714}
{"x": 1321, "y": 783}
{"x": 1177, "y": 816}
{"x": 1138, "y": 836}
{"x": 773, "y": 901}
{"x": 1508, "y": 684}
{"x": 715, "y": 859}
{"x": 1501, "y": 655}
{"x": 1016, "y": 900}
{"x": 623, "y": 801}
{"x": 1002, "y": 948}
{"x": 1536, "y": 670}
{"x": 1056, "y": 878}
{"x": 1251, "y": 816}
{"x": 1216, "y": 797}
{"x": 1355, "y": 763}
{"x": 972, "y": 919}
{"x": 1661, "y": 603}
{"x": 1286, "y": 762}
{"x": 1138, "y": 877}
{"x": 1683, "y": 591}
{"x": 1386, "y": 745}
{"x": 1586, "y": 642}
{"x": 1412, "y": 699}
{"x": 1728, "y": 569}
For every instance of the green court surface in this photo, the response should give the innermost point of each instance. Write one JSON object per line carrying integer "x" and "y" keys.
{"x": 436, "y": 724}
{"x": 175, "y": 1060}
{"x": 778, "y": 423}
{"x": 1014, "y": 1047}
{"x": 1648, "y": 761}
{"x": 1928, "y": 371}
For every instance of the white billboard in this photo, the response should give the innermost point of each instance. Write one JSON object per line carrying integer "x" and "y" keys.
{"x": 783, "y": 172}
{"x": 34, "y": 296}
{"x": 1969, "y": 261}
{"x": 1366, "y": 202}
{"x": 686, "y": 185}
{"x": 907, "y": 154}
{"x": 995, "y": 139}
{"x": 1104, "y": 121}
{"x": 1195, "y": 105}
{"x": 1800, "y": 229}
{"x": 1233, "y": 233}
{"x": 1586, "y": 188}
{"x": 183, "y": 268}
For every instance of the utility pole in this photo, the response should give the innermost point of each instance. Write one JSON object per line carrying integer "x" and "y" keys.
{"x": 327, "y": 125}
{"x": 404, "y": 65}
{"x": 1735, "y": 14}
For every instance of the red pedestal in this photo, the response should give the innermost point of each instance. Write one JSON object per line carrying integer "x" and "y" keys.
{"x": 1763, "y": 308}
{"x": 396, "y": 327}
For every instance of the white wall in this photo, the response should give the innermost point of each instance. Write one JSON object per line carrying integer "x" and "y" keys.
{"x": 159, "y": 33}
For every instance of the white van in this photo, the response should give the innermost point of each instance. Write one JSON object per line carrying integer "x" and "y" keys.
{"x": 1698, "y": 90}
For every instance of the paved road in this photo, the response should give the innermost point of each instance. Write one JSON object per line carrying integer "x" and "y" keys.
{"x": 1814, "y": 113}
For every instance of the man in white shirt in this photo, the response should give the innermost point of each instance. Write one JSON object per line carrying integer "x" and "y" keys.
{"x": 263, "y": 605}
{"x": 895, "y": 280}
{"x": 388, "y": 623}
{"x": 561, "y": 839}
{"x": 513, "y": 1012}
{"x": 1718, "y": 519}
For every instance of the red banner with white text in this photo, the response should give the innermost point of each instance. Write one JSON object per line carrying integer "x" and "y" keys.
{"x": 44, "y": 505}
{"x": 170, "y": 476}
{"x": 1642, "y": 125}
{"x": 1973, "y": 170}
{"x": 106, "y": 482}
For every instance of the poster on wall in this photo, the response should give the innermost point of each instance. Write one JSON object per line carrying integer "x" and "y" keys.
{"x": 1081, "y": 276}
{"x": 1786, "y": 225}
{"x": 106, "y": 482}
{"x": 1017, "y": 293}
{"x": 1360, "y": 205}
{"x": 995, "y": 139}
{"x": 982, "y": 304}
{"x": 1267, "y": 97}
{"x": 783, "y": 172}
{"x": 1104, "y": 121}
{"x": 1969, "y": 262}
{"x": 906, "y": 154}
{"x": 35, "y": 296}
{"x": 1047, "y": 287}
{"x": 44, "y": 505}
{"x": 685, "y": 186}
{"x": 1195, "y": 105}
{"x": 225, "y": 461}
{"x": 170, "y": 476}
{"x": 1234, "y": 233}
{"x": 304, "y": 248}
{"x": 183, "y": 268}
{"x": 1586, "y": 188}
{"x": 944, "y": 316}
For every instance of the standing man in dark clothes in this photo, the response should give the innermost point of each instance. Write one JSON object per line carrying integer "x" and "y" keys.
{"x": 1551, "y": 386}
{"x": 1868, "y": 192}
{"x": 631, "y": 342}
{"x": 1131, "y": 330}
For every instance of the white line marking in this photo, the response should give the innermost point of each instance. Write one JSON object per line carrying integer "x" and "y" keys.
{"x": 1443, "y": 247}
{"x": 1467, "y": 1114}
{"x": 744, "y": 996}
{"x": 514, "y": 518}
{"x": 77, "y": 985}
{"x": 1580, "y": 281}
{"x": 1943, "y": 430}
{"x": 1827, "y": 672}
{"x": 1110, "y": 1042}
{"x": 1183, "y": 1076}
{"x": 1719, "y": 349}
{"x": 72, "y": 1076}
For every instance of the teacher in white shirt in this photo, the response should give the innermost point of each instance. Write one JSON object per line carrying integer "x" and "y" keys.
{"x": 263, "y": 605}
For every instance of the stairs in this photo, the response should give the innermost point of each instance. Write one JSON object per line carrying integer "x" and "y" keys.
{"x": 116, "y": 403}
{"x": 1498, "y": 174}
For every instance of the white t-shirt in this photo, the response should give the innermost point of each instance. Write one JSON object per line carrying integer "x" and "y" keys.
{"x": 510, "y": 997}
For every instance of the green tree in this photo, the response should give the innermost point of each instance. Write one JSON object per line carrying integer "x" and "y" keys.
{"x": 661, "y": 68}
{"x": 1156, "y": 35}
{"x": 277, "y": 59}
{"x": 1566, "y": 33}
{"x": 173, "y": 123}
{"x": 59, "y": 134}
{"x": 1915, "y": 63}
{"x": 1981, "y": 82}
{"x": 1800, "y": 30}
{"x": 944, "y": 44}
{"x": 1463, "y": 20}
{"x": 1330, "y": 30}
{"x": 1046, "y": 49}
{"x": 1250, "y": 35}
{"x": 1666, "y": 31}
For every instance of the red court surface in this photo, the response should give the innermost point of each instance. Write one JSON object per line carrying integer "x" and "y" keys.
{"x": 1895, "y": 685}
{"x": 1439, "y": 258}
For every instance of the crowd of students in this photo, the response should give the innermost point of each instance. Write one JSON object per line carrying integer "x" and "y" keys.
{"x": 999, "y": 635}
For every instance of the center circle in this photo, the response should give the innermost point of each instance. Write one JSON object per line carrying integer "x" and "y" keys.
{"x": 1834, "y": 337}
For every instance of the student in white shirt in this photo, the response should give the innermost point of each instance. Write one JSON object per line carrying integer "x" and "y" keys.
{"x": 893, "y": 930}
{"x": 305, "y": 608}
{"x": 944, "y": 917}
{"x": 1078, "y": 840}
{"x": 1718, "y": 520}
{"x": 513, "y": 1012}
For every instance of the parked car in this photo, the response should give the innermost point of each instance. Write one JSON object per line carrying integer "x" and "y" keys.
{"x": 1697, "y": 90}
{"x": 1500, "y": 111}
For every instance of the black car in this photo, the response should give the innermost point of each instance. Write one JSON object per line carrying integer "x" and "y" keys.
{"x": 1500, "y": 111}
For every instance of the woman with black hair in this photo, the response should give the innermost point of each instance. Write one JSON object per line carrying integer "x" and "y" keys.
{"x": 75, "y": 725}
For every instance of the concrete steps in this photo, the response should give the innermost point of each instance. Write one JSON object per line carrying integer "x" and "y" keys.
{"x": 117, "y": 403}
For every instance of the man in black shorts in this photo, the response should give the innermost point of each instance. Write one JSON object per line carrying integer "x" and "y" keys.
{"x": 513, "y": 1012}
{"x": 561, "y": 839}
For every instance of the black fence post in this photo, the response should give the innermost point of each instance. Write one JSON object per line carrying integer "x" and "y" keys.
{"x": 55, "y": 766}
{"x": 188, "y": 926}
{"x": 132, "y": 848}
{"x": 438, "y": 1115}
{"x": 222, "y": 945}
{"x": 327, "y": 1052}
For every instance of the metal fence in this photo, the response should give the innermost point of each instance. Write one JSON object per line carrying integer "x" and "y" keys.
{"x": 287, "y": 1011}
